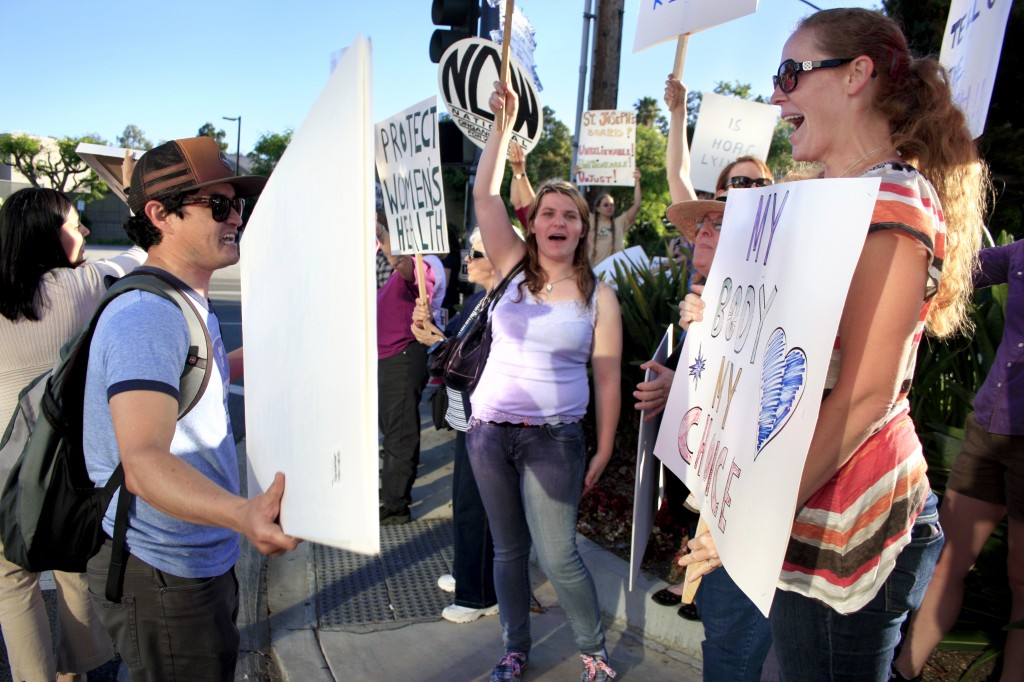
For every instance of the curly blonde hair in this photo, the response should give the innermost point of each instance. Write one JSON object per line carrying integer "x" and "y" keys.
{"x": 930, "y": 133}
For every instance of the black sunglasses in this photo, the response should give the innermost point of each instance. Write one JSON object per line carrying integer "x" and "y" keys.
{"x": 220, "y": 205}
{"x": 743, "y": 182}
{"x": 476, "y": 255}
{"x": 786, "y": 79}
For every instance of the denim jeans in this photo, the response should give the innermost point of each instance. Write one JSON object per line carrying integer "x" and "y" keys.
{"x": 530, "y": 479}
{"x": 814, "y": 642}
{"x": 472, "y": 546}
{"x": 737, "y": 636}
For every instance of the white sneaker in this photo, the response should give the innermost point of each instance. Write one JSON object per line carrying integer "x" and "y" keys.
{"x": 447, "y": 582}
{"x": 465, "y": 614}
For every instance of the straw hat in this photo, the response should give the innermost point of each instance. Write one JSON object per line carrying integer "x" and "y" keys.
{"x": 685, "y": 214}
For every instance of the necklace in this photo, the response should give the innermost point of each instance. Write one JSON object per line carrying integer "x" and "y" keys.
{"x": 551, "y": 285}
{"x": 868, "y": 155}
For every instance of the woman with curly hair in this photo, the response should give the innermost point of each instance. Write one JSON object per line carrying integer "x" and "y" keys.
{"x": 866, "y": 536}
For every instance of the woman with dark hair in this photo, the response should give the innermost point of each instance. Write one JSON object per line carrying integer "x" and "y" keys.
{"x": 866, "y": 535}
{"x": 47, "y": 292}
{"x": 525, "y": 438}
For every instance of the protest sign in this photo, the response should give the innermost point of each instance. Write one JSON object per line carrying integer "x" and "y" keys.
{"x": 466, "y": 75}
{"x": 971, "y": 47}
{"x": 309, "y": 312}
{"x": 633, "y": 258}
{"x": 661, "y": 20}
{"x": 727, "y": 128}
{"x": 106, "y": 161}
{"x": 607, "y": 151}
{"x": 524, "y": 41}
{"x": 748, "y": 387}
{"x": 646, "y": 495}
{"x": 408, "y": 157}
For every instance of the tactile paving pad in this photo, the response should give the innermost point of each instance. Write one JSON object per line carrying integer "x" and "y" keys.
{"x": 359, "y": 593}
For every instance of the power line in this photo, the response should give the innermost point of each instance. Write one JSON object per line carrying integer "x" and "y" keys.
{"x": 812, "y": 6}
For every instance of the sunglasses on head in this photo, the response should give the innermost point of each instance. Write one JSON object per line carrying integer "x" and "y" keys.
{"x": 220, "y": 205}
{"x": 743, "y": 182}
{"x": 786, "y": 79}
{"x": 476, "y": 255}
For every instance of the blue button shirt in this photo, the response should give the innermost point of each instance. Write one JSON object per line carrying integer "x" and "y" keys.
{"x": 999, "y": 404}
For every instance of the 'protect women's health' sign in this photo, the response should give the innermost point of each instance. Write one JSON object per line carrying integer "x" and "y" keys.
{"x": 607, "y": 151}
{"x": 408, "y": 157}
{"x": 746, "y": 394}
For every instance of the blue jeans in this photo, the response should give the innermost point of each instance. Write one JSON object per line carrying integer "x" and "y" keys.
{"x": 530, "y": 479}
{"x": 736, "y": 634}
{"x": 814, "y": 642}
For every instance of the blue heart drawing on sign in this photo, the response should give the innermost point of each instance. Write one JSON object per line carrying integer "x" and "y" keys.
{"x": 782, "y": 383}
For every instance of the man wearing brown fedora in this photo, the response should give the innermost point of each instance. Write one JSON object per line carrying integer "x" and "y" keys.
{"x": 176, "y": 616}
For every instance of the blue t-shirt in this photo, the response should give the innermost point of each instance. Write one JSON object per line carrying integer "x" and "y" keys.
{"x": 141, "y": 343}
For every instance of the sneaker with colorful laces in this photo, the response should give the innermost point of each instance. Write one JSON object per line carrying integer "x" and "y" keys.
{"x": 510, "y": 668}
{"x": 595, "y": 668}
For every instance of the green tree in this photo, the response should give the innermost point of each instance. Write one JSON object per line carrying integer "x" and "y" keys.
{"x": 551, "y": 157}
{"x": 58, "y": 167}
{"x": 268, "y": 151}
{"x": 134, "y": 137}
{"x": 647, "y": 111}
{"x": 209, "y": 130}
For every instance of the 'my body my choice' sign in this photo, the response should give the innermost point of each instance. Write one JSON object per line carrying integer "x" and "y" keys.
{"x": 466, "y": 77}
{"x": 738, "y": 422}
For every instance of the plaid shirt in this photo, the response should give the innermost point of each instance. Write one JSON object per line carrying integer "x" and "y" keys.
{"x": 384, "y": 269}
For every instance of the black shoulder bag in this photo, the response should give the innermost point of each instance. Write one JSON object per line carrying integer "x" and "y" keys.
{"x": 460, "y": 360}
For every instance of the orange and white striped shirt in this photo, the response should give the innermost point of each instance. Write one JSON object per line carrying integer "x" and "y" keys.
{"x": 846, "y": 537}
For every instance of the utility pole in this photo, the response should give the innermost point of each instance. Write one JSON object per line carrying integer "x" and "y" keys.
{"x": 604, "y": 80}
{"x": 604, "y": 66}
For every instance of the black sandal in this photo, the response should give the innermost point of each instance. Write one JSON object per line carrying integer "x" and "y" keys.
{"x": 689, "y": 612}
{"x": 666, "y": 597}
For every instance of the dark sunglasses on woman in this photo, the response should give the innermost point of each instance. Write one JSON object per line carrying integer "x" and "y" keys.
{"x": 743, "y": 182}
{"x": 220, "y": 205}
{"x": 787, "y": 80}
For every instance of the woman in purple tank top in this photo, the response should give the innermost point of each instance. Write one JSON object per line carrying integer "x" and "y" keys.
{"x": 525, "y": 439}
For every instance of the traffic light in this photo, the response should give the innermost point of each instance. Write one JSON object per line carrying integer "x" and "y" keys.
{"x": 456, "y": 148}
{"x": 461, "y": 15}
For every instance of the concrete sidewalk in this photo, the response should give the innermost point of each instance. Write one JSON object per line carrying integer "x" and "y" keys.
{"x": 645, "y": 641}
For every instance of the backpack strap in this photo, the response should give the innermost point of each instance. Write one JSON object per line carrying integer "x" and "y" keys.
{"x": 195, "y": 376}
{"x": 196, "y": 373}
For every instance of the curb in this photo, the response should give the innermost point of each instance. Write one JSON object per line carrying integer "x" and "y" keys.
{"x": 293, "y": 636}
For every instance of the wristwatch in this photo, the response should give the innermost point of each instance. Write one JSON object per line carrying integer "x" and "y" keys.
{"x": 516, "y": 176}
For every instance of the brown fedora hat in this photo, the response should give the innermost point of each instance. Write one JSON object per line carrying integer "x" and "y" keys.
{"x": 183, "y": 166}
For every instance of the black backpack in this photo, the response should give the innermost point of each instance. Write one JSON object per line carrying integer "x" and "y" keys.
{"x": 50, "y": 510}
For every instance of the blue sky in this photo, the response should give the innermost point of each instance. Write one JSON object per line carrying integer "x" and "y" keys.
{"x": 77, "y": 66}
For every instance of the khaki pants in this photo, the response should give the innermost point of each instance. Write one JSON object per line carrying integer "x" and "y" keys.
{"x": 82, "y": 643}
